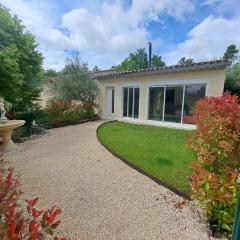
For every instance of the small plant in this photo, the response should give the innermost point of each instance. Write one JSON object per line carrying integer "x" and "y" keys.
{"x": 216, "y": 143}
{"x": 15, "y": 224}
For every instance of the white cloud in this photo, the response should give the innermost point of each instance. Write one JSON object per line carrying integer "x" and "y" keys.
{"x": 207, "y": 40}
{"x": 211, "y": 2}
{"x": 39, "y": 20}
{"x": 110, "y": 33}
{"x": 115, "y": 31}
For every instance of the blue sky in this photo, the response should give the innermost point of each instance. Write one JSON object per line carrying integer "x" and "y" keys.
{"x": 105, "y": 32}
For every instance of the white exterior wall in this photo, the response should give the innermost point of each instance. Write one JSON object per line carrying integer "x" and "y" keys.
{"x": 214, "y": 79}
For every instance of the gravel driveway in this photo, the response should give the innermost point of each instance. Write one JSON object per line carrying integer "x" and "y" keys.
{"x": 100, "y": 196}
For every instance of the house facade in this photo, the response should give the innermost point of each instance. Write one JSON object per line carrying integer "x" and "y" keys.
{"x": 159, "y": 96}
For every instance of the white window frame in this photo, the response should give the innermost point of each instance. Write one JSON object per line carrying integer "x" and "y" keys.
{"x": 176, "y": 84}
{"x": 128, "y": 87}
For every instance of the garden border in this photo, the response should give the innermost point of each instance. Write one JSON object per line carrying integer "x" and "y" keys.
{"x": 96, "y": 118}
{"x": 156, "y": 180}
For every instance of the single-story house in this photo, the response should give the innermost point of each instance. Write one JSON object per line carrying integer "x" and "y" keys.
{"x": 159, "y": 96}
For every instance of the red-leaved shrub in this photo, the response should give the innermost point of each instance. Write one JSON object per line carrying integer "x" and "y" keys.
{"x": 216, "y": 143}
{"x": 61, "y": 113}
{"x": 57, "y": 107}
{"x": 15, "y": 223}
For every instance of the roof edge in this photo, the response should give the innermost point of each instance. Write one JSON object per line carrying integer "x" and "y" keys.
{"x": 208, "y": 65}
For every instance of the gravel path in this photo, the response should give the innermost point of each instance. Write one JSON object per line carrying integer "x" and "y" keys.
{"x": 100, "y": 196}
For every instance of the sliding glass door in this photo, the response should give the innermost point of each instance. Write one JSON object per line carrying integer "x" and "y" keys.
{"x": 192, "y": 94}
{"x": 156, "y": 102}
{"x": 131, "y": 102}
{"x": 174, "y": 103}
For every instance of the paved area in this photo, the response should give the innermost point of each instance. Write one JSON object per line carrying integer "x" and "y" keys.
{"x": 100, "y": 196}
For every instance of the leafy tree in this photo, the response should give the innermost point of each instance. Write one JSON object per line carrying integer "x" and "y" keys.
{"x": 10, "y": 76}
{"x": 138, "y": 60}
{"x": 77, "y": 84}
{"x": 157, "y": 61}
{"x": 134, "y": 61}
{"x": 96, "y": 68}
{"x": 231, "y": 53}
{"x": 49, "y": 73}
{"x": 20, "y": 62}
{"x": 232, "y": 80}
{"x": 185, "y": 61}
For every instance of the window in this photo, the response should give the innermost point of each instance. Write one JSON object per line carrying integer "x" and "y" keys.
{"x": 131, "y": 102}
{"x": 174, "y": 103}
{"x": 113, "y": 100}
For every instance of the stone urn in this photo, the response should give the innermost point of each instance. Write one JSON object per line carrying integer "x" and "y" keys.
{"x": 6, "y": 129}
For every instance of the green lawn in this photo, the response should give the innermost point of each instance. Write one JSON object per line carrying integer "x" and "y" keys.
{"x": 162, "y": 152}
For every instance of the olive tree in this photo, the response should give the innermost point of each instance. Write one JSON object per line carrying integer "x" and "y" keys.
{"x": 77, "y": 84}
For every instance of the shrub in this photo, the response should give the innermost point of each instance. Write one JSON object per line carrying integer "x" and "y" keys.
{"x": 77, "y": 84}
{"x": 216, "y": 143}
{"x": 57, "y": 107}
{"x": 15, "y": 224}
{"x": 60, "y": 113}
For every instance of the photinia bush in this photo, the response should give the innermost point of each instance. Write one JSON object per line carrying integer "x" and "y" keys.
{"x": 62, "y": 113}
{"x": 57, "y": 107}
{"x": 216, "y": 143}
{"x": 15, "y": 224}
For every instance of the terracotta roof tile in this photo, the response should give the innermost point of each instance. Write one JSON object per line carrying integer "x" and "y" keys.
{"x": 217, "y": 64}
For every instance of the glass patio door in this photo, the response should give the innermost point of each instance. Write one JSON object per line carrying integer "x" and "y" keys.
{"x": 156, "y": 103}
{"x": 131, "y": 102}
{"x": 173, "y": 104}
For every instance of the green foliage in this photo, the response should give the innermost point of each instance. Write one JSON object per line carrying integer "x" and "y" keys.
{"x": 60, "y": 113}
{"x": 185, "y": 61}
{"x": 232, "y": 80}
{"x": 134, "y": 61}
{"x": 138, "y": 60}
{"x": 96, "y": 68}
{"x": 77, "y": 84}
{"x": 216, "y": 142}
{"x": 231, "y": 53}
{"x": 10, "y": 76}
{"x": 161, "y": 152}
{"x": 49, "y": 73}
{"x": 21, "y": 63}
{"x": 157, "y": 61}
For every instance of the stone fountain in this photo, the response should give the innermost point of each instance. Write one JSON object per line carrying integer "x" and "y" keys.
{"x": 6, "y": 128}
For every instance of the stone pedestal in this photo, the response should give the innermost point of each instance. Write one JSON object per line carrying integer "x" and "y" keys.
{"x": 6, "y": 129}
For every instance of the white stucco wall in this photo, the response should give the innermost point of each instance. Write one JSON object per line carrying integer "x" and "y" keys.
{"x": 213, "y": 78}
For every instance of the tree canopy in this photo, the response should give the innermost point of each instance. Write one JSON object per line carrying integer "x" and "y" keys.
{"x": 49, "y": 73}
{"x": 138, "y": 60}
{"x": 77, "y": 84}
{"x": 231, "y": 53}
{"x": 185, "y": 61}
{"x": 20, "y": 62}
{"x": 157, "y": 61}
{"x": 232, "y": 82}
{"x": 232, "y": 79}
{"x": 96, "y": 68}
